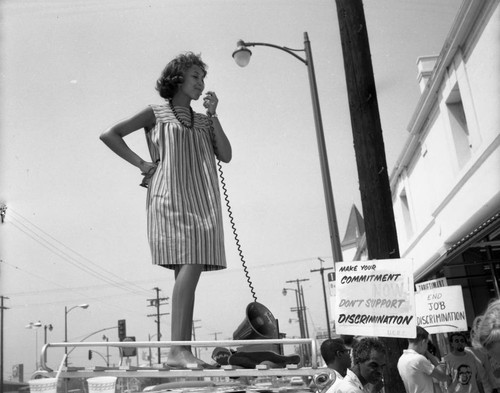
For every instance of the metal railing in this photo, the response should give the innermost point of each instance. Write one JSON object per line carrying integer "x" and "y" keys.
{"x": 161, "y": 371}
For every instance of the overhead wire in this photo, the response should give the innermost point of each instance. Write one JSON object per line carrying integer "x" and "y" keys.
{"x": 64, "y": 252}
{"x": 76, "y": 264}
{"x": 73, "y": 290}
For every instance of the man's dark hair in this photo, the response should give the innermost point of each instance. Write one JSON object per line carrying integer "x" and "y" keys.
{"x": 330, "y": 347}
{"x": 422, "y": 334}
{"x": 348, "y": 339}
{"x": 363, "y": 350}
{"x": 454, "y": 334}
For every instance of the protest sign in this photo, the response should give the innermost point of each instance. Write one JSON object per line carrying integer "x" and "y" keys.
{"x": 426, "y": 285}
{"x": 375, "y": 298}
{"x": 441, "y": 310}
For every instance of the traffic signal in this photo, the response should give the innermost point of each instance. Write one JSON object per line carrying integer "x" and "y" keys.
{"x": 122, "y": 329}
{"x": 90, "y": 354}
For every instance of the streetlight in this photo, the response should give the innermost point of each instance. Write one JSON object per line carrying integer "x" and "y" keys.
{"x": 299, "y": 310}
{"x": 301, "y": 314}
{"x": 106, "y": 338}
{"x": 45, "y": 327}
{"x": 242, "y": 57}
{"x": 35, "y": 325}
{"x": 66, "y": 312}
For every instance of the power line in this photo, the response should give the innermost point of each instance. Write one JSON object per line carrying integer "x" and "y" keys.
{"x": 71, "y": 260}
{"x": 215, "y": 335}
{"x": 55, "y": 246}
{"x": 58, "y": 251}
{"x": 85, "y": 297}
{"x": 41, "y": 278}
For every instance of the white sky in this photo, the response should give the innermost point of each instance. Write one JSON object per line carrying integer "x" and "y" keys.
{"x": 75, "y": 226}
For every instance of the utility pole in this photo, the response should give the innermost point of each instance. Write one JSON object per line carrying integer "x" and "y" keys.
{"x": 302, "y": 315}
{"x": 2, "y": 307}
{"x": 301, "y": 304}
{"x": 156, "y": 303}
{"x": 194, "y": 335}
{"x": 304, "y": 308}
{"x": 3, "y": 210}
{"x": 215, "y": 335}
{"x": 381, "y": 235}
{"x": 322, "y": 271}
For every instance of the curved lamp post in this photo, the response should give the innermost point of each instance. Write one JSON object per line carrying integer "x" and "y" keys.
{"x": 66, "y": 312}
{"x": 242, "y": 57}
{"x": 106, "y": 338}
{"x": 50, "y": 328}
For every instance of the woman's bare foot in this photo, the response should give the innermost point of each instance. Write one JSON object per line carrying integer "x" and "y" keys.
{"x": 181, "y": 357}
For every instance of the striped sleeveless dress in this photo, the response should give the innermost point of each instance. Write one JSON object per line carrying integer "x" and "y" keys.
{"x": 184, "y": 217}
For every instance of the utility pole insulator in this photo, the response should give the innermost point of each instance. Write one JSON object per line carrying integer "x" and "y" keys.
{"x": 3, "y": 211}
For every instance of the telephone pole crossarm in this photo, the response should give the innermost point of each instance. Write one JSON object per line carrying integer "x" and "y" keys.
{"x": 155, "y": 315}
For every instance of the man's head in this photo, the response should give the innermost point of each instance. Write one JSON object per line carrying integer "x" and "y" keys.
{"x": 336, "y": 355}
{"x": 369, "y": 360}
{"x": 457, "y": 343}
{"x": 419, "y": 343}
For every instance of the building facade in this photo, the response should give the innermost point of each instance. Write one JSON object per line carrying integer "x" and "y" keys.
{"x": 446, "y": 182}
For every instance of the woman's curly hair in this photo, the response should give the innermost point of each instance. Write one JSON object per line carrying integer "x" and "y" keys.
{"x": 488, "y": 332}
{"x": 173, "y": 74}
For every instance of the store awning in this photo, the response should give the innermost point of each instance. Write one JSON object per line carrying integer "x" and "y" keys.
{"x": 477, "y": 238}
{"x": 485, "y": 235}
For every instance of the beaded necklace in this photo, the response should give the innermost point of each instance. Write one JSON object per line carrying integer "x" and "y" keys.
{"x": 178, "y": 118}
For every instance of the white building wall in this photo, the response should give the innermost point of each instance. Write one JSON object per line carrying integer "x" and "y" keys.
{"x": 450, "y": 178}
{"x": 483, "y": 65}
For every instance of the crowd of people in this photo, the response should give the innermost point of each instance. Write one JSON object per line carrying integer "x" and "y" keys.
{"x": 471, "y": 366}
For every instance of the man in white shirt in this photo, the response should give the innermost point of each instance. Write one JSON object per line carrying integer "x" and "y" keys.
{"x": 369, "y": 361}
{"x": 338, "y": 359}
{"x": 417, "y": 366}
